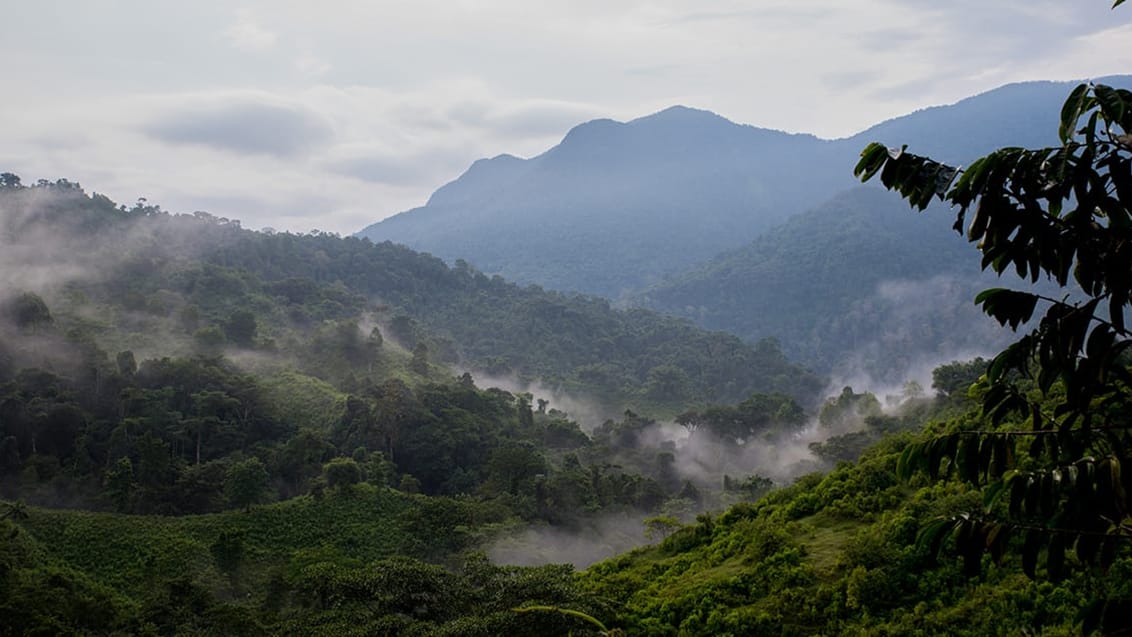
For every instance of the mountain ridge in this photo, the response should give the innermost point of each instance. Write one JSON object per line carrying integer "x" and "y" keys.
{"x": 615, "y": 207}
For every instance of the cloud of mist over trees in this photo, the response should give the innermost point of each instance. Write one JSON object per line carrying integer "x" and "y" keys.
{"x": 721, "y": 470}
{"x": 882, "y": 377}
{"x": 50, "y": 250}
{"x": 587, "y": 413}
{"x": 51, "y": 239}
{"x": 82, "y": 255}
{"x": 39, "y": 256}
{"x": 885, "y": 354}
{"x": 600, "y": 539}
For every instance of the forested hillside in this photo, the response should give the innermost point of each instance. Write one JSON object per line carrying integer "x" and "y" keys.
{"x": 856, "y": 284}
{"x": 213, "y": 395}
{"x": 196, "y": 272}
{"x": 839, "y": 554}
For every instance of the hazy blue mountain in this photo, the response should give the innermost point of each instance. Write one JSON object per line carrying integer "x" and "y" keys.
{"x": 616, "y": 207}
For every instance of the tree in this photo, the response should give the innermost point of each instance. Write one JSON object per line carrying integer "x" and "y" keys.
{"x": 342, "y": 473}
{"x": 209, "y": 339}
{"x": 419, "y": 362}
{"x": 212, "y": 410}
{"x": 955, "y": 378}
{"x": 409, "y": 484}
{"x": 513, "y": 468}
{"x": 668, "y": 384}
{"x": 28, "y": 311}
{"x": 691, "y": 421}
{"x": 241, "y": 328}
{"x": 246, "y": 483}
{"x": 120, "y": 484}
{"x": 661, "y": 526}
{"x": 1063, "y": 213}
{"x": 127, "y": 364}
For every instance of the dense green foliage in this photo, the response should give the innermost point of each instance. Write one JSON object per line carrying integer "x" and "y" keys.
{"x": 272, "y": 444}
{"x": 347, "y": 563}
{"x": 838, "y": 554}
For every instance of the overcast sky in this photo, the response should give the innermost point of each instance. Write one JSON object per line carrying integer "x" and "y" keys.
{"x": 337, "y": 113}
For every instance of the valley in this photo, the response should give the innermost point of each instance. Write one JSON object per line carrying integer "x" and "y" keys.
{"x": 724, "y": 391}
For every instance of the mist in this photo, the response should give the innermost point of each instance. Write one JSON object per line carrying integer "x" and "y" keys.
{"x": 880, "y": 367}
{"x": 588, "y": 414}
{"x": 598, "y": 540}
{"x": 707, "y": 461}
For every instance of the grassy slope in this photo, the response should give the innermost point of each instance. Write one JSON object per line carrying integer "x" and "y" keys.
{"x": 366, "y": 523}
{"x": 834, "y": 554}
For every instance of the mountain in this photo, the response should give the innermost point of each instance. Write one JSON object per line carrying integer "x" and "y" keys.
{"x": 1020, "y": 114}
{"x": 616, "y": 207}
{"x": 859, "y": 280}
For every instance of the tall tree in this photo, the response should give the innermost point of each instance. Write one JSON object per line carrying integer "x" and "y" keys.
{"x": 246, "y": 483}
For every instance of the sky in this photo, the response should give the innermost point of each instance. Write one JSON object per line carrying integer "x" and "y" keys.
{"x": 332, "y": 115}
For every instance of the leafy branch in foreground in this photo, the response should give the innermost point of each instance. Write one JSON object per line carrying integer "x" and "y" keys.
{"x": 1061, "y": 213}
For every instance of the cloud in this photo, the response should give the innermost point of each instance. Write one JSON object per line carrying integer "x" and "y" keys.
{"x": 523, "y": 118}
{"x": 248, "y": 35}
{"x": 651, "y": 70}
{"x": 904, "y": 90}
{"x": 537, "y": 118}
{"x": 414, "y": 168}
{"x": 244, "y": 125}
{"x": 312, "y": 65}
{"x": 848, "y": 79}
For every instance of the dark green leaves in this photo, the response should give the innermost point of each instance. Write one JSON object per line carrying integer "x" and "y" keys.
{"x": 916, "y": 178}
{"x": 977, "y": 458}
{"x": 1113, "y": 105}
{"x": 1071, "y": 111}
{"x": 1008, "y": 307}
{"x": 873, "y": 158}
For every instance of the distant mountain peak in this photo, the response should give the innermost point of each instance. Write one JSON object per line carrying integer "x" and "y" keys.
{"x": 678, "y": 117}
{"x": 683, "y": 114}
{"x": 593, "y": 128}
{"x": 485, "y": 172}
